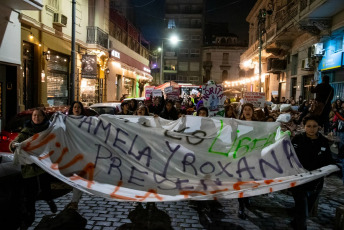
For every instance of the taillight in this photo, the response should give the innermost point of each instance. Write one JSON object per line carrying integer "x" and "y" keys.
{"x": 3, "y": 137}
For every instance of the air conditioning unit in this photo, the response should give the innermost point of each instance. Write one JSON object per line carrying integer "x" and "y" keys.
{"x": 307, "y": 64}
{"x": 275, "y": 65}
{"x": 60, "y": 19}
{"x": 317, "y": 50}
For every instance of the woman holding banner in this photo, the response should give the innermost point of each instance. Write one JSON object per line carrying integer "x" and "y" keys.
{"x": 35, "y": 179}
{"x": 247, "y": 114}
{"x": 313, "y": 152}
{"x": 77, "y": 111}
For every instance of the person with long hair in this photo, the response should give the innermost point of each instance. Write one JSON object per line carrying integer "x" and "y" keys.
{"x": 247, "y": 114}
{"x": 76, "y": 110}
{"x": 34, "y": 178}
{"x": 169, "y": 112}
{"x": 230, "y": 112}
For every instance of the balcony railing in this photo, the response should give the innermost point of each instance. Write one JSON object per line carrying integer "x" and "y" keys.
{"x": 287, "y": 15}
{"x": 97, "y": 36}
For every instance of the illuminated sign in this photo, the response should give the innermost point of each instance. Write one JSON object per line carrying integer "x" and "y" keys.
{"x": 116, "y": 54}
{"x": 331, "y": 61}
{"x": 146, "y": 69}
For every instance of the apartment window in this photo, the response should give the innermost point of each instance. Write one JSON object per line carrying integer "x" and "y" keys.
{"x": 186, "y": 38}
{"x": 225, "y": 58}
{"x": 54, "y": 4}
{"x": 183, "y": 66}
{"x": 183, "y": 52}
{"x": 208, "y": 57}
{"x": 171, "y": 24}
{"x": 195, "y": 38}
{"x": 224, "y": 75}
{"x": 196, "y": 23}
{"x": 184, "y": 23}
{"x": 194, "y": 66}
{"x": 194, "y": 53}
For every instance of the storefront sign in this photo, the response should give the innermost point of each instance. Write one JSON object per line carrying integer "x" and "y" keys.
{"x": 331, "y": 61}
{"x": 256, "y": 98}
{"x": 89, "y": 66}
{"x": 146, "y": 70}
{"x": 115, "y": 54}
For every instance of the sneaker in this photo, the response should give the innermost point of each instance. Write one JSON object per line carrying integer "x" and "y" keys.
{"x": 52, "y": 206}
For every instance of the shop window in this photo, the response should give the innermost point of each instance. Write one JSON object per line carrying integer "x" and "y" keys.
{"x": 306, "y": 83}
{"x": 57, "y": 79}
{"x": 129, "y": 85}
{"x": 89, "y": 91}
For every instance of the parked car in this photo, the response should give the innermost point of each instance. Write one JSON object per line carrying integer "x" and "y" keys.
{"x": 15, "y": 125}
{"x": 107, "y": 108}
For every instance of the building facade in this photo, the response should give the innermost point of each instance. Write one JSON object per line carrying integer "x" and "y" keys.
{"x": 35, "y": 55}
{"x": 182, "y": 63}
{"x": 10, "y": 55}
{"x": 289, "y": 33}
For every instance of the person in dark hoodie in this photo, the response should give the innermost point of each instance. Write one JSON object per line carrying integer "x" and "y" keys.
{"x": 169, "y": 112}
{"x": 313, "y": 152}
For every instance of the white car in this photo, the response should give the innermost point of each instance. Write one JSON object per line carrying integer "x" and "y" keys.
{"x": 107, "y": 108}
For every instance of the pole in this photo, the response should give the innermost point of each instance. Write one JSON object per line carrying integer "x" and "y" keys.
{"x": 161, "y": 61}
{"x": 260, "y": 56}
{"x": 72, "y": 72}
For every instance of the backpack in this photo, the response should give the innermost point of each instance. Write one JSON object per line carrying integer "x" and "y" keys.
{"x": 66, "y": 219}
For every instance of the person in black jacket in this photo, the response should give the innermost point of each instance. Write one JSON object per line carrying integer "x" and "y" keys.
{"x": 313, "y": 152}
{"x": 324, "y": 94}
{"x": 169, "y": 112}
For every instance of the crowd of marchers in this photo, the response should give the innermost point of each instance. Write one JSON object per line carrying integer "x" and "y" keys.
{"x": 310, "y": 133}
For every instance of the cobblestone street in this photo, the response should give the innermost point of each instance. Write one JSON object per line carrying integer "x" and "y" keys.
{"x": 272, "y": 211}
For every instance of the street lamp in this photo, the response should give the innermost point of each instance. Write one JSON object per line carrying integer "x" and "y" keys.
{"x": 174, "y": 41}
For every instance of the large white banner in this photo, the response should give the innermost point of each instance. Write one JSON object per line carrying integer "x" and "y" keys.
{"x": 133, "y": 158}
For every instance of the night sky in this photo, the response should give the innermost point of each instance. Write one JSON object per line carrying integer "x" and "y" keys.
{"x": 149, "y": 16}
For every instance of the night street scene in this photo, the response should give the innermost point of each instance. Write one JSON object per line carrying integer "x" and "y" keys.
{"x": 171, "y": 114}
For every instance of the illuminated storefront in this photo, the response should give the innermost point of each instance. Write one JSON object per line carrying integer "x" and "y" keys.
{"x": 127, "y": 76}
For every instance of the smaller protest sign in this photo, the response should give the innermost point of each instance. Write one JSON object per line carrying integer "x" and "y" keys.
{"x": 157, "y": 93}
{"x": 213, "y": 98}
{"x": 148, "y": 91}
{"x": 256, "y": 98}
{"x": 168, "y": 89}
{"x": 173, "y": 94}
